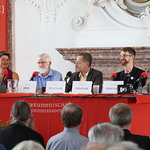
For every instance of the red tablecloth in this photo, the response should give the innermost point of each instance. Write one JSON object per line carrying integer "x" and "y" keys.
{"x": 46, "y": 111}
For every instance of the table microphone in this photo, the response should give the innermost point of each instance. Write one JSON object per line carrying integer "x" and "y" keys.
{"x": 69, "y": 73}
{"x": 5, "y": 72}
{"x": 143, "y": 75}
{"x": 35, "y": 73}
{"x": 113, "y": 76}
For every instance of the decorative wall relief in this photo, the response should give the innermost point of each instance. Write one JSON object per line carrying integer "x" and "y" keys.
{"x": 145, "y": 15}
{"x": 78, "y": 23}
{"x": 135, "y": 7}
{"x": 47, "y": 9}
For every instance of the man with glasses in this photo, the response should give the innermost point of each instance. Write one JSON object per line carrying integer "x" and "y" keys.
{"x": 130, "y": 74}
{"x": 45, "y": 72}
{"x": 84, "y": 72}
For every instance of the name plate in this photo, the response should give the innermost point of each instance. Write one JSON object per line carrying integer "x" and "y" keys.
{"x": 55, "y": 87}
{"x": 110, "y": 87}
{"x": 81, "y": 87}
{"x": 27, "y": 87}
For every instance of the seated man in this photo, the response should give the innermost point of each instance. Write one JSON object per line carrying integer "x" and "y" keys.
{"x": 121, "y": 115}
{"x": 105, "y": 133}
{"x": 20, "y": 129}
{"x": 84, "y": 72}
{"x": 130, "y": 74}
{"x": 45, "y": 72}
{"x": 70, "y": 138}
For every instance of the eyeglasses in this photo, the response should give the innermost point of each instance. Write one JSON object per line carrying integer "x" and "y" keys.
{"x": 42, "y": 62}
{"x": 124, "y": 55}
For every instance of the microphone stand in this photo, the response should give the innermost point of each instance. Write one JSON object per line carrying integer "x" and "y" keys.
{"x": 139, "y": 90}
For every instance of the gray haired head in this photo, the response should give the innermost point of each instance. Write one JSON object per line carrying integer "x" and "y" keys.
{"x": 106, "y": 133}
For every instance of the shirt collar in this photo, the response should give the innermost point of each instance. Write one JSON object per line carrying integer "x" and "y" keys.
{"x": 85, "y": 76}
{"x": 71, "y": 130}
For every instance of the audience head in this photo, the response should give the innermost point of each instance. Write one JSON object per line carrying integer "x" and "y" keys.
{"x": 71, "y": 115}
{"x": 125, "y": 145}
{"x": 4, "y": 60}
{"x": 121, "y": 114}
{"x": 20, "y": 112}
{"x": 94, "y": 146}
{"x": 28, "y": 145}
{"x": 105, "y": 133}
{"x": 83, "y": 62}
{"x": 44, "y": 62}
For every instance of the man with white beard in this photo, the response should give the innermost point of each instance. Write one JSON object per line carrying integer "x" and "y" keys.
{"x": 45, "y": 73}
{"x": 130, "y": 74}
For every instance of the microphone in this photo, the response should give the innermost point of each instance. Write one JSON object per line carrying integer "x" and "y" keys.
{"x": 69, "y": 73}
{"x": 35, "y": 73}
{"x": 143, "y": 75}
{"x": 5, "y": 72}
{"x": 113, "y": 76}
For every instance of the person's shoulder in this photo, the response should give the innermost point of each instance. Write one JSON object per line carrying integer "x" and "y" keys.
{"x": 138, "y": 69}
{"x": 55, "y": 72}
{"x": 137, "y": 136}
{"x": 15, "y": 76}
{"x": 95, "y": 71}
{"x": 56, "y": 137}
{"x": 74, "y": 74}
{"x": 84, "y": 138}
{"x": 120, "y": 72}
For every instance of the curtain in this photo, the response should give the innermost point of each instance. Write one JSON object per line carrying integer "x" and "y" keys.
{"x": 3, "y": 25}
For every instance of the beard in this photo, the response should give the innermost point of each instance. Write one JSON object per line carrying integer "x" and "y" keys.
{"x": 43, "y": 70}
{"x": 124, "y": 62}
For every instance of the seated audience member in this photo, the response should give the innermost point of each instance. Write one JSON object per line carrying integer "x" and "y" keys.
{"x": 70, "y": 138}
{"x": 4, "y": 65}
{"x": 121, "y": 115}
{"x": 84, "y": 72}
{"x": 130, "y": 74}
{"x": 124, "y": 146}
{"x": 94, "y": 146}
{"x": 146, "y": 88}
{"x": 45, "y": 72}
{"x": 105, "y": 133}
{"x": 28, "y": 145}
{"x": 20, "y": 129}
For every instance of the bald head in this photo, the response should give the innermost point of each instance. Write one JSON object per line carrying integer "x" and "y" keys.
{"x": 71, "y": 115}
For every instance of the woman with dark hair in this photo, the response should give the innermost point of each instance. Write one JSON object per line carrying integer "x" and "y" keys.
{"x": 4, "y": 65}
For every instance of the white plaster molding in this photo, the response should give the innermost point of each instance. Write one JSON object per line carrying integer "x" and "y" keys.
{"x": 121, "y": 4}
{"x": 46, "y": 8}
{"x": 145, "y": 15}
{"x": 136, "y": 8}
{"x": 120, "y": 16}
{"x": 78, "y": 23}
{"x": 99, "y": 3}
